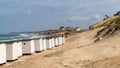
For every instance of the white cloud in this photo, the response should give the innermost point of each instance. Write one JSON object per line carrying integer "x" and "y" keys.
{"x": 78, "y": 18}
{"x": 97, "y": 16}
{"x": 111, "y": 1}
{"x": 28, "y": 12}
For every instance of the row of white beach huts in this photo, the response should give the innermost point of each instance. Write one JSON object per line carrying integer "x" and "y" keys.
{"x": 12, "y": 50}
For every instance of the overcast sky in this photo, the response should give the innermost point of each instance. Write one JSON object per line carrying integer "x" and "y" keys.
{"x": 35, "y": 15}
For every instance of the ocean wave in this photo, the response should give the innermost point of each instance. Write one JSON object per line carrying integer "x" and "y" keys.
{"x": 19, "y": 36}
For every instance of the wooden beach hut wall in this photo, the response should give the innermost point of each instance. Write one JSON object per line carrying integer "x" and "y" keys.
{"x": 53, "y": 42}
{"x": 63, "y": 39}
{"x": 19, "y": 50}
{"x": 60, "y": 40}
{"x": 41, "y": 44}
{"x": 38, "y": 45}
{"x": 28, "y": 46}
{"x": 12, "y": 50}
{"x": 44, "y": 43}
{"x": 56, "y": 41}
{"x": 48, "y": 42}
{"x": 2, "y": 53}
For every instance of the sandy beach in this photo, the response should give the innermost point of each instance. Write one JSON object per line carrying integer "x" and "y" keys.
{"x": 79, "y": 51}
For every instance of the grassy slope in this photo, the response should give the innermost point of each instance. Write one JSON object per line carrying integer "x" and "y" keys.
{"x": 105, "y": 22}
{"x": 111, "y": 24}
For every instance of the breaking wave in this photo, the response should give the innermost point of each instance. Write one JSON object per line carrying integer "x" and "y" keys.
{"x": 18, "y": 36}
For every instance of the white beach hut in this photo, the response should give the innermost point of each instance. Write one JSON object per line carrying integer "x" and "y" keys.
{"x": 28, "y": 46}
{"x": 12, "y": 50}
{"x": 56, "y": 41}
{"x": 60, "y": 40}
{"x": 48, "y": 42}
{"x": 63, "y": 39}
{"x": 38, "y": 45}
{"x": 44, "y": 43}
{"x": 53, "y": 42}
{"x": 2, "y": 53}
{"x": 41, "y": 44}
{"x": 19, "y": 50}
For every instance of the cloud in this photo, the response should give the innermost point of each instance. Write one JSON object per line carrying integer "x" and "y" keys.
{"x": 112, "y": 1}
{"x": 97, "y": 16}
{"x": 52, "y": 11}
{"x": 28, "y": 12}
{"x": 78, "y": 18}
{"x": 93, "y": 18}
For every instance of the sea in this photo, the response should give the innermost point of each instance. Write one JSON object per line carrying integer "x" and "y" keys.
{"x": 9, "y": 37}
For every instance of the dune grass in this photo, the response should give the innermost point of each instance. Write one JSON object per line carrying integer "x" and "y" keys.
{"x": 111, "y": 25}
{"x": 113, "y": 19}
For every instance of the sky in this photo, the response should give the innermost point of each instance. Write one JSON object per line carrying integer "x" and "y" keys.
{"x": 37, "y": 15}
